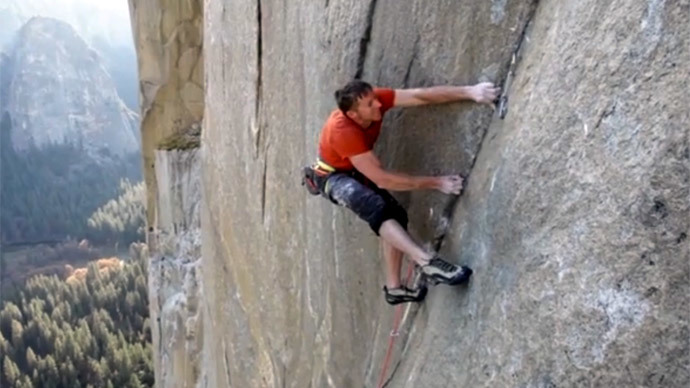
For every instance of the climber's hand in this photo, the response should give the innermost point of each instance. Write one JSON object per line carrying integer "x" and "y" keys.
{"x": 484, "y": 92}
{"x": 449, "y": 184}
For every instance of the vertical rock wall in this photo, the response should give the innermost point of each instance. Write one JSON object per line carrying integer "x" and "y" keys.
{"x": 174, "y": 270}
{"x": 293, "y": 284}
{"x": 575, "y": 217}
{"x": 168, "y": 37}
{"x": 575, "y": 214}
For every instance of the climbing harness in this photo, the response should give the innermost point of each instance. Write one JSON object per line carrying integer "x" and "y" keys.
{"x": 308, "y": 180}
{"x": 324, "y": 166}
{"x": 313, "y": 177}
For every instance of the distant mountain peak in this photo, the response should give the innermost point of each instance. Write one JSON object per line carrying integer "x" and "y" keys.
{"x": 56, "y": 90}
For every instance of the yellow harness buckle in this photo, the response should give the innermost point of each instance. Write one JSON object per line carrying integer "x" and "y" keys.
{"x": 324, "y": 166}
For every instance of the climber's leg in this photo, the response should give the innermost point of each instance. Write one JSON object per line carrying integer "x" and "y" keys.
{"x": 392, "y": 257}
{"x": 394, "y": 292}
{"x": 388, "y": 219}
{"x": 433, "y": 266}
{"x": 385, "y": 216}
{"x": 394, "y": 235}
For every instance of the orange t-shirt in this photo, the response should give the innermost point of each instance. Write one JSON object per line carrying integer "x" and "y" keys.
{"x": 341, "y": 137}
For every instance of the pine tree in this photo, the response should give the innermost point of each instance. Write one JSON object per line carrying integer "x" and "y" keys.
{"x": 24, "y": 382}
{"x": 17, "y": 331}
{"x": 51, "y": 368}
{"x": 31, "y": 361}
{"x": 9, "y": 313}
{"x": 134, "y": 382}
{"x": 11, "y": 371}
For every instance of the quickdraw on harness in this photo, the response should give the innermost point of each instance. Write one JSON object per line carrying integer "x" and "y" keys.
{"x": 315, "y": 174}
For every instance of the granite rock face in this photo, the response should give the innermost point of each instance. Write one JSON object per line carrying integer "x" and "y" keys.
{"x": 300, "y": 279}
{"x": 574, "y": 216}
{"x": 55, "y": 90}
{"x": 174, "y": 270}
{"x": 168, "y": 38}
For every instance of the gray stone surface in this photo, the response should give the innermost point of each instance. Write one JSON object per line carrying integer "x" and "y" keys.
{"x": 575, "y": 214}
{"x": 168, "y": 38}
{"x": 174, "y": 273}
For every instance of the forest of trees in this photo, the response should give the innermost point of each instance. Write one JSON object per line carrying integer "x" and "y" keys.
{"x": 61, "y": 206}
{"x": 88, "y": 331}
{"x": 120, "y": 219}
{"x": 50, "y": 193}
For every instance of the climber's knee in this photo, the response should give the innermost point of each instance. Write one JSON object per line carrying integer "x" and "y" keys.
{"x": 389, "y": 211}
{"x": 393, "y": 209}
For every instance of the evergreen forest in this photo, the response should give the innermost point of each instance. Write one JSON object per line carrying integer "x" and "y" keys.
{"x": 89, "y": 330}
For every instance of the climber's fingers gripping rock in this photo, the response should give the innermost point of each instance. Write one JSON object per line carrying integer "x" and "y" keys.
{"x": 450, "y": 184}
{"x": 485, "y": 92}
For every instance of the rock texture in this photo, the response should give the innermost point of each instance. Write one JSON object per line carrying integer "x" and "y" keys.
{"x": 174, "y": 273}
{"x": 575, "y": 214}
{"x": 168, "y": 38}
{"x": 55, "y": 89}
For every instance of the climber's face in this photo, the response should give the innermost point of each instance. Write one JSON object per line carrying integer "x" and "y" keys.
{"x": 367, "y": 109}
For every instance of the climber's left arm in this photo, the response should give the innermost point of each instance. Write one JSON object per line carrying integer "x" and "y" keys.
{"x": 483, "y": 93}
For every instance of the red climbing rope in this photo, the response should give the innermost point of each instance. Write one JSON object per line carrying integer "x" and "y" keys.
{"x": 394, "y": 332}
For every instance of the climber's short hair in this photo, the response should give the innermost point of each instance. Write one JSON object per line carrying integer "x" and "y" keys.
{"x": 350, "y": 93}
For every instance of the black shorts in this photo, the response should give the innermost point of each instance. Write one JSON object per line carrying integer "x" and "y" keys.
{"x": 370, "y": 202}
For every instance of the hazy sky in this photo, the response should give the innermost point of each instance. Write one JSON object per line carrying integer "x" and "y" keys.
{"x": 108, "y": 19}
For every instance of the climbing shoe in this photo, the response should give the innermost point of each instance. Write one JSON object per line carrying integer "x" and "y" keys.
{"x": 441, "y": 271}
{"x": 404, "y": 295}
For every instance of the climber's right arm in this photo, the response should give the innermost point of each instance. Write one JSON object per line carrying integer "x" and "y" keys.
{"x": 484, "y": 93}
{"x": 368, "y": 164}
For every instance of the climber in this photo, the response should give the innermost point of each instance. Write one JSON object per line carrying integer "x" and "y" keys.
{"x": 349, "y": 174}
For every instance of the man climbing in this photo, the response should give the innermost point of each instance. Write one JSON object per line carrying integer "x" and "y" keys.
{"x": 349, "y": 174}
